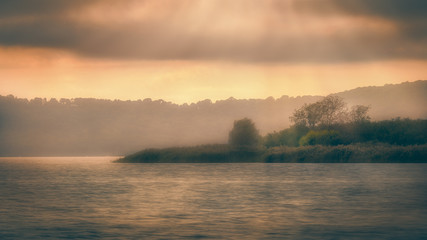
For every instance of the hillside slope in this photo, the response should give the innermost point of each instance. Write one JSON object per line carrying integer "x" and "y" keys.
{"x": 85, "y": 126}
{"x": 406, "y": 100}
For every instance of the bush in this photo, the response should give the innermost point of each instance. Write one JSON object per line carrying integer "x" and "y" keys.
{"x": 286, "y": 137}
{"x": 322, "y": 137}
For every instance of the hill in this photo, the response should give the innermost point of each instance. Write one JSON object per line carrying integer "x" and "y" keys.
{"x": 85, "y": 126}
{"x": 405, "y": 100}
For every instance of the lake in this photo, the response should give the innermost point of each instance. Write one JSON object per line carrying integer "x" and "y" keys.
{"x": 93, "y": 198}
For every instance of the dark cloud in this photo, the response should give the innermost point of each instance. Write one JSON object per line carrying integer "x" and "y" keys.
{"x": 13, "y": 8}
{"x": 171, "y": 38}
{"x": 410, "y": 16}
{"x": 392, "y": 9}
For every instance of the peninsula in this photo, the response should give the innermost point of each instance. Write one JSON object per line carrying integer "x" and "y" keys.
{"x": 323, "y": 132}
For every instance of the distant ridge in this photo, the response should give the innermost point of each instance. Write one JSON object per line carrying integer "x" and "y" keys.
{"x": 406, "y": 100}
{"x": 87, "y": 126}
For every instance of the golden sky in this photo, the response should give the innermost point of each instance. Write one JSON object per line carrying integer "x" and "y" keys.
{"x": 190, "y": 50}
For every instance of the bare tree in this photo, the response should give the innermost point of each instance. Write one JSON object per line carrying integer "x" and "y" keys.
{"x": 359, "y": 113}
{"x": 329, "y": 111}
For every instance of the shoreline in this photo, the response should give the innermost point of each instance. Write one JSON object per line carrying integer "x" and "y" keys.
{"x": 353, "y": 153}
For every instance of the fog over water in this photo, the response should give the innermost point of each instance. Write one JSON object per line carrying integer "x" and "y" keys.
{"x": 63, "y": 198}
{"x": 82, "y": 126}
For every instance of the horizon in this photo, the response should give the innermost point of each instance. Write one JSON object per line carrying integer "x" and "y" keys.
{"x": 187, "y": 51}
{"x": 201, "y": 100}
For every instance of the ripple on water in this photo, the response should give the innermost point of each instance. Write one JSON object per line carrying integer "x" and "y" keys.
{"x": 93, "y": 198}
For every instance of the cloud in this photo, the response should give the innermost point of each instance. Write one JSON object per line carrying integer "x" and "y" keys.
{"x": 241, "y": 30}
{"x": 409, "y": 15}
{"x": 392, "y": 9}
{"x": 25, "y": 8}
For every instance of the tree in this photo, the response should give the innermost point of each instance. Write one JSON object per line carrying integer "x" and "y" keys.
{"x": 332, "y": 110}
{"x": 329, "y": 111}
{"x": 359, "y": 113}
{"x": 244, "y": 134}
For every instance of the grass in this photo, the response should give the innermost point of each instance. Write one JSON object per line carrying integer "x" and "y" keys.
{"x": 354, "y": 153}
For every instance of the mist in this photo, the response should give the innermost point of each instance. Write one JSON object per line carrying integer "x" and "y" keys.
{"x": 87, "y": 126}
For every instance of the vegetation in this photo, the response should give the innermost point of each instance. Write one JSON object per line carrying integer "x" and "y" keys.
{"x": 328, "y": 112}
{"x": 244, "y": 135}
{"x": 395, "y": 132}
{"x": 88, "y": 126}
{"x": 354, "y": 153}
{"x": 324, "y": 131}
{"x": 322, "y": 137}
{"x": 329, "y": 122}
{"x": 85, "y": 126}
{"x": 197, "y": 154}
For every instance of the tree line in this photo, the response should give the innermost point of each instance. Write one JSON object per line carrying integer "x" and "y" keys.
{"x": 88, "y": 126}
{"x": 330, "y": 122}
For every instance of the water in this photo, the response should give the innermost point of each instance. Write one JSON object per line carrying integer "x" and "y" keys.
{"x": 93, "y": 198}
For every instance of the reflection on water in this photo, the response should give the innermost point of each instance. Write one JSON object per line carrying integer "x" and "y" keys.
{"x": 44, "y": 198}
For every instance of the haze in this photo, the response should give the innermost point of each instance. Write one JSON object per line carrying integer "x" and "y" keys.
{"x": 87, "y": 126}
{"x": 190, "y": 50}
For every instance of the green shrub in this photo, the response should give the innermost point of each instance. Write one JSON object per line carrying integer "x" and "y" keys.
{"x": 322, "y": 137}
{"x": 286, "y": 137}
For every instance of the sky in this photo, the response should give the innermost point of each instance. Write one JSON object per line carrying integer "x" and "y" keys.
{"x": 190, "y": 50}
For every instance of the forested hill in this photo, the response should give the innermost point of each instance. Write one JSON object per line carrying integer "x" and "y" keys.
{"x": 408, "y": 99}
{"x": 84, "y": 126}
